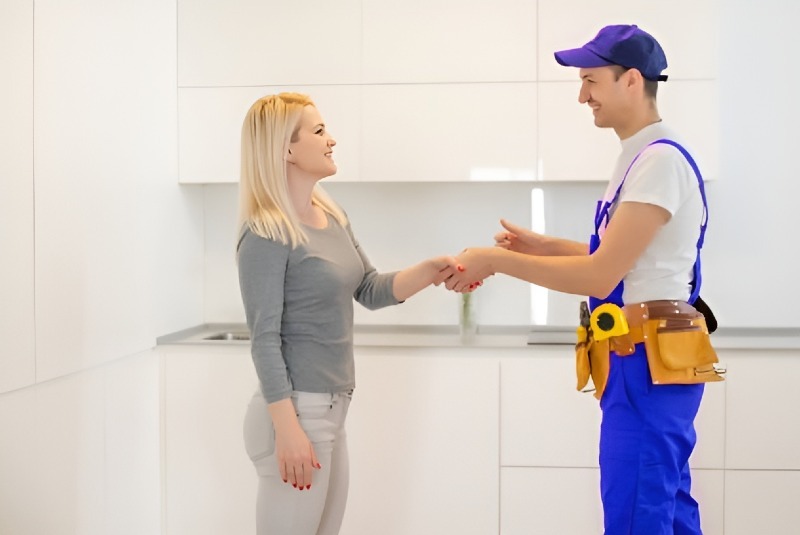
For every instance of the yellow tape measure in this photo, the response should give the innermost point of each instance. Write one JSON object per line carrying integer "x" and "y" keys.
{"x": 608, "y": 320}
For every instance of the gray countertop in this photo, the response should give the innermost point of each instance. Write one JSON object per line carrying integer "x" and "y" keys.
{"x": 487, "y": 336}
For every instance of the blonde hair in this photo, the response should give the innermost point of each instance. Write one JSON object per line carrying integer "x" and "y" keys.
{"x": 265, "y": 208}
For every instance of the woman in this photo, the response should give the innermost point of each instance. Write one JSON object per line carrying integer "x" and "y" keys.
{"x": 299, "y": 269}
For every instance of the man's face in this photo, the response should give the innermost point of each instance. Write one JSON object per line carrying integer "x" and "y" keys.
{"x": 604, "y": 90}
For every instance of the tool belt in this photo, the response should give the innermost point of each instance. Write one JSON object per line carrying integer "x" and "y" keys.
{"x": 674, "y": 334}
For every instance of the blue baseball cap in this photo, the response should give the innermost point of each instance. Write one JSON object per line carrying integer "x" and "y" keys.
{"x": 622, "y": 44}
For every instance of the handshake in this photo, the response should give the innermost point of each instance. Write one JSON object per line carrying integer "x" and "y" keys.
{"x": 466, "y": 271}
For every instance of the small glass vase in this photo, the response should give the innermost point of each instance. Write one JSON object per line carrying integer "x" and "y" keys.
{"x": 468, "y": 317}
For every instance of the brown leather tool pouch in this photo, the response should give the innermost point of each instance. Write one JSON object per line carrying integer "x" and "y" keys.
{"x": 679, "y": 351}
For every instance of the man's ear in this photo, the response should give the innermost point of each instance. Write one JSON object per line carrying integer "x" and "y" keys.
{"x": 634, "y": 77}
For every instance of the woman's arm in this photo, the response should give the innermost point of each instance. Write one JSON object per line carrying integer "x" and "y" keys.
{"x": 415, "y": 278}
{"x": 630, "y": 231}
{"x": 262, "y": 271}
{"x": 378, "y": 290}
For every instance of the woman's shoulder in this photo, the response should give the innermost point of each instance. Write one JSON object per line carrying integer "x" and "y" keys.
{"x": 250, "y": 240}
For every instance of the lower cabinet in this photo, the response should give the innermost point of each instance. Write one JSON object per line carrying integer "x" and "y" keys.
{"x": 423, "y": 436}
{"x": 550, "y": 480}
{"x": 209, "y": 483}
{"x": 477, "y": 440}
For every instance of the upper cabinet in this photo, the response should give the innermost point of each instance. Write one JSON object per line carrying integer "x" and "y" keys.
{"x": 17, "y": 363}
{"x": 253, "y": 43}
{"x": 435, "y": 90}
{"x": 447, "y": 41}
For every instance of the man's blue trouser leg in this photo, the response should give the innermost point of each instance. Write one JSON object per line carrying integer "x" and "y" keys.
{"x": 646, "y": 438}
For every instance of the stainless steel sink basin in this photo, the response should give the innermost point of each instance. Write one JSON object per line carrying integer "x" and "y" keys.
{"x": 242, "y": 335}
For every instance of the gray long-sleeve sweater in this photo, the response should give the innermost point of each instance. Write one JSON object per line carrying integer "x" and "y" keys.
{"x": 299, "y": 308}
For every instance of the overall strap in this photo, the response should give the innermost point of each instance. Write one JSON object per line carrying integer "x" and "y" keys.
{"x": 698, "y": 277}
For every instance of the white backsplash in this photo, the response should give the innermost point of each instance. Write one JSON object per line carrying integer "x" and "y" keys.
{"x": 400, "y": 224}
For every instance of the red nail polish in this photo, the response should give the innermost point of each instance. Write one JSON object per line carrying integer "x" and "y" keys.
{"x": 308, "y": 487}
{"x": 461, "y": 268}
{"x": 285, "y": 480}
{"x": 294, "y": 485}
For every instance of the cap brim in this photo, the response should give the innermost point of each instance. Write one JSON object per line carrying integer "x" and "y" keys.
{"x": 581, "y": 58}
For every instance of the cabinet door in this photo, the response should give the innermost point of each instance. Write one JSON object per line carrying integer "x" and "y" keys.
{"x": 457, "y": 142}
{"x": 17, "y": 366}
{"x": 544, "y": 420}
{"x": 210, "y": 482}
{"x": 423, "y": 442}
{"x": 763, "y": 430}
{"x": 550, "y": 500}
{"x": 252, "y": 43}
{"x": 483, "y": 41}
{"x": 105, "y": 148}
{"x": 760, "y": 501}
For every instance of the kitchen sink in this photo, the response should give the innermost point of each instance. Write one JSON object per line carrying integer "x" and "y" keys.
{"x": 229, "y": 336}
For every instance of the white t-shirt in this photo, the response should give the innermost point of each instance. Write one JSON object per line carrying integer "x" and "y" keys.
{"x": 661, "y": 176}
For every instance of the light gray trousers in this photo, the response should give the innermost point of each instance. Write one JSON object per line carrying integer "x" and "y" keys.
{"x": 280, "y": 508}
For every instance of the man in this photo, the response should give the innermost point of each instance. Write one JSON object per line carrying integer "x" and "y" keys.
{"x": 644, "y": 253}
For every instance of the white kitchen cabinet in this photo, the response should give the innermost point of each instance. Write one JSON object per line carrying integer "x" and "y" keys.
{"x": 210, "y": 483}
{"x": 550, "y": 435}
{"x": 423, "y": 442}
{"x": 105, "y": 146}
{"x": 449, "y": 132}
{"x": 550, "y": 500}
{"x": 688, "y": 30}
{"x": 763, "y": 430}
{"x": 467, "y": 104}
{"x": 761, "y": 501}
{"x": 81, "y": 453}
{"x": 449, "y": 41}
{"x": 17, "y": 363}
{"x": 471, "y": 440}
{"x": 545, "y": 421}
{"x": 422, "y": 421}
{"x": 255, "y": 43}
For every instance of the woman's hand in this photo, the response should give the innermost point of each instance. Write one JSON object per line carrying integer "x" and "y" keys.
{"x": 293, "y": 451}
{"x": 296, "y": 457}
{"x": 443, "y": 267}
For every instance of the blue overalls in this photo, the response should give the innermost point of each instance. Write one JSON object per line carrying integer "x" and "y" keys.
{"x": 647, "y": 432}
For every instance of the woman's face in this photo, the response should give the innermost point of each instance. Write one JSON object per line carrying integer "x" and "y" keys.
{"x": 311, "y": 151}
